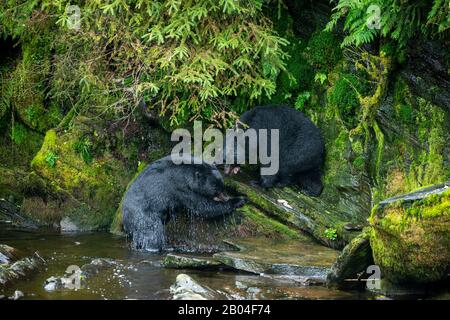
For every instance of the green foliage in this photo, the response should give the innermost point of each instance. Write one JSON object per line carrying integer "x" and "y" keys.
{"x": 51, "y": 158}
{"x": 359, "y": 162}
{"x": 18, "y": 133}
{"x": 331, "y": 234}
{"x": 324, "y": 51}
{"x": 320, "y": 77}
{"x": 398, "y": 20}
{"x": 83, "y": 147}
{"x": 186, "y": 59}
{"x": 302, "y": 98}
{"x": 298, "y": 76}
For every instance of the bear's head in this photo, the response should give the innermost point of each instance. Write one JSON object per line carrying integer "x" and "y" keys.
{"x": 208, "y": 182}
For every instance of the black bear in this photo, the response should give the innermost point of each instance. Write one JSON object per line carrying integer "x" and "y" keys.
{"x": 165, "y": 188}
{"x": 301, "y": 147}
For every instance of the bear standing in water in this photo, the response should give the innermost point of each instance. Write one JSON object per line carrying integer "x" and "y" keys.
{"x": 163, "y": 189}
{"x": 301, "y": 147}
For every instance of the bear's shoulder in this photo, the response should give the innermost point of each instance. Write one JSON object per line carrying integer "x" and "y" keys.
{"x": 274, "y": 116}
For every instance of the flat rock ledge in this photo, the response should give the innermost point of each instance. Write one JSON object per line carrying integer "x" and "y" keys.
{"x": 308, "y": 261}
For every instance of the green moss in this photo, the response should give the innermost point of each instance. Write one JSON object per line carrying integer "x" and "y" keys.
{"x": 51, "y": 158}
{"x": 359, "y": 163}
{"x": 414, "y": 153}
{"x": 48, "y": 145}
{"x": 344, "y": 96}
{"x": 331, "y": 234}
{"x": 269, "y": 225}
{"x": 340, "y": 148}
{"x": 410, "y": 241}
{"x": 433, "y": 206}
{"x": 18, "y": 133}
{"x": 380, "y": 148}
{"x": 98, "y": 185}
{"x": 324, "y": 50}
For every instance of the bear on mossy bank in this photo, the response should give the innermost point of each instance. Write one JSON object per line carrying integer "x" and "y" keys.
{"x": 164, "y": 189}
{"x": 301, "y": 147}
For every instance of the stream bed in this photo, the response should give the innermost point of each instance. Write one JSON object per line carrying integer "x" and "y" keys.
{"x": 137, "y": 275}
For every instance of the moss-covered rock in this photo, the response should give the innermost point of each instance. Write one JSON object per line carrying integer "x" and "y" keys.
{"x": 289, "y": 210}
{"x": 353, "y": 260}
{"x": 97, "y": 185}
{"x": 414, "y": 153}
{"x": 88, "y": 163}
{"x": 177, "y": 261}
{"x": 411, "y": 236}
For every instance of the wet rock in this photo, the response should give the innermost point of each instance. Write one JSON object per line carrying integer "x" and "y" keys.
{"x": 353, "y": 261}
{"x": 410, "y": 237}
{"x": 353, "y": 227}
{"x": 186, "y": 288}
{"x": 17, "y": 295}
{"x": 95, "y": 266}
{"x": 14, "y": 269}
{"x": 7, "y": 254}
{"x": 294, "y": 257}
{"x": 178, "y": 261}
{"x": 53, "y": 283}
{"x": 67, "y": 225}
{"x": 427, "y": 74}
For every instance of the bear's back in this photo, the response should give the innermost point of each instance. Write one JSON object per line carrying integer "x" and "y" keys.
{"x": 291, "y": 122}
{"x": 163, "y": 176}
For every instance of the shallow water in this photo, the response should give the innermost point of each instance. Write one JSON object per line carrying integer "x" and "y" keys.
{"x": 138, "y": 275}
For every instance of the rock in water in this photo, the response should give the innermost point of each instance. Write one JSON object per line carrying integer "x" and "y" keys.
{"x": 67, "y": 225}
{"x": 410, "y": 238}
{"x": 353, "y": 260}
{"x": 7, "y": 254}
{"x": 13, "y": 269}
{"x": 17, "y": 295}
{"x": 303, "y": 257}
{"x": 178, "y": 261}
{"x": 186, "y": 288}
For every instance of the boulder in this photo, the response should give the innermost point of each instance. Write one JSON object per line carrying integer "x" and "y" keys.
{"x": 322, "y": 217}
{"x": 352, "y": 263}
{"x": 410, "y": 237}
